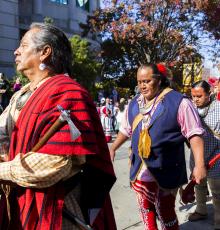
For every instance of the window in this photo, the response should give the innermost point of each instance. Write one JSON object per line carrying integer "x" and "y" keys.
{"x": 64, "y": 2}
{"x": 84, "y": 4}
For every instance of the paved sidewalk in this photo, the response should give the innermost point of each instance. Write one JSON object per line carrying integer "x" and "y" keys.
{"x": 125, "y": 205}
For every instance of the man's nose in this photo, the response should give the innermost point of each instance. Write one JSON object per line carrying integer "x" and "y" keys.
{"x": 16, "y": 52}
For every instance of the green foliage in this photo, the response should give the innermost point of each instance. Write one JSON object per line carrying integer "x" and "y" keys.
{"x": 124, "y": 92}
{"x": 86, "y": 68}
{"x": 23, "y": 80}
{"x": 108, "y": 84}
{"x": 48, "y": 20}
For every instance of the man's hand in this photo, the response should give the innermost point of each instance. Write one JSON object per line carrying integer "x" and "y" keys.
{"x": 3, "y": 159}
{"x": 197, "y": 146}
{"x": 4, "y": 156}
{"x": 120, "y": 139}
{"x": 199, "y": 173}
{"x": 2, "y": 91}
{"x": 112, "y": 154}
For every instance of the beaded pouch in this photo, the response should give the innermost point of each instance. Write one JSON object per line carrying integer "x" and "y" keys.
{"x": 144, "y": 144}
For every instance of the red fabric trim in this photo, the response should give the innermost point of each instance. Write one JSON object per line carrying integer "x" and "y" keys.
{"x": 161, "y": 201}
{"x": 218, "y": 96}
{"x": 104, "y": 110}
{"x": 147, "y": 212}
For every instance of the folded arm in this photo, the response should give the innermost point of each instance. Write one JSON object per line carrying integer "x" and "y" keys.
{"x": 39, "y": 170}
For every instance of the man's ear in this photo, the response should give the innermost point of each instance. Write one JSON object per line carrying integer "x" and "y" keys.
{"x": 45, "y": 53}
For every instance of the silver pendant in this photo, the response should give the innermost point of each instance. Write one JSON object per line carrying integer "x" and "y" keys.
{"x": 23, "y": 99}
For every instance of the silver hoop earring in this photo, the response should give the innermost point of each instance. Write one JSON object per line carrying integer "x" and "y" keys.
{"x": 42, "y": 66}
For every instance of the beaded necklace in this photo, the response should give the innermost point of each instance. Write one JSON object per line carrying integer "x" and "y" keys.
{"x": 146, "y": 111}
{"x": 23, "y": 99}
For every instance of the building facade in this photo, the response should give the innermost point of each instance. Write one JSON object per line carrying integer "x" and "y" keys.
{"x": 17, "y": 15}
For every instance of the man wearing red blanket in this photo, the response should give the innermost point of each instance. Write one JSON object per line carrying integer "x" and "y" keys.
{"x": 65, "y": 184}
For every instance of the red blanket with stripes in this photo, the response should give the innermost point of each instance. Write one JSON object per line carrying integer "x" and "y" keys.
{"x": 42, "y": 208}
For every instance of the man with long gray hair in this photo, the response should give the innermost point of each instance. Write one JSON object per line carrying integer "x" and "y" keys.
{"x": 57, "y": 172}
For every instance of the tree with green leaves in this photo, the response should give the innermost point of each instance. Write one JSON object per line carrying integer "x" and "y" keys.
{"x": 136, "y": 32}
{"x": 86, "y": 68}
{"x": 48, "y": 20}
{"x": 24, "y": 80}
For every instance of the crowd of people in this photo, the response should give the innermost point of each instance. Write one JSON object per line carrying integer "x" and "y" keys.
{"x": 111, "y": 113}
{"x": 56, "y": 168}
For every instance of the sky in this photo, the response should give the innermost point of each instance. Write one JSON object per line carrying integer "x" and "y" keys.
{"x": 209, "y": 64}
{"x": 101, "y": 4}
{"x": 214, "y": 70}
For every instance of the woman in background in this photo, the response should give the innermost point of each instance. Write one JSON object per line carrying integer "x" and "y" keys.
{"x": 120, "y": 113}
{"x": 159, "y": 120}
{"x": 106, "y": 119}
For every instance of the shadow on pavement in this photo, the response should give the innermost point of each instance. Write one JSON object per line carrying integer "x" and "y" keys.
{"x": 206, "y": 224}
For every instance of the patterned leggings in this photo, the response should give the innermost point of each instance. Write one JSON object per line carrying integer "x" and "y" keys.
{"x": 155, "y": 202}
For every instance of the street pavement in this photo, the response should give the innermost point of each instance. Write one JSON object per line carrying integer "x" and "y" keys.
{"x": 125, "y": 205}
